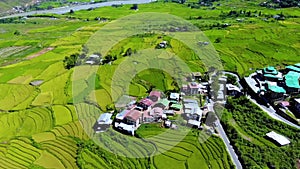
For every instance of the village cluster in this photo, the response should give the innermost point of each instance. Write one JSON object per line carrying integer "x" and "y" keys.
{"x": 157, "y": 107}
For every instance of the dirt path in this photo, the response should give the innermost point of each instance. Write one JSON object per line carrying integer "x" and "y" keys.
{"x": 40, "y": 53}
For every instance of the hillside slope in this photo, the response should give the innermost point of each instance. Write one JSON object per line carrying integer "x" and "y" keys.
{"x": 6, "y": 5}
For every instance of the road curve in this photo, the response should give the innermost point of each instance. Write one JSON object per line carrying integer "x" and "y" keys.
{"x": 63, "y": 10}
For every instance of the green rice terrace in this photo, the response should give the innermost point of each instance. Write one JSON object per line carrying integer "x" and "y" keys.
{"x": 48, "y": 125}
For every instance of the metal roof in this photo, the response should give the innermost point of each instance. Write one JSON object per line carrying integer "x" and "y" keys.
{"x": 294, "y": 68}
{"x": 164, "y": 102}
{"x": 292, "y": 79}
{"x": 270, "y": 70}
{"x": 278, "y": 138}
{"x": 276, "y": 89}
{"x": 177, "y": 106}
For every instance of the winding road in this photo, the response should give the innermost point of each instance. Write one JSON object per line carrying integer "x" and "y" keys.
{"x": 63, "y": 10}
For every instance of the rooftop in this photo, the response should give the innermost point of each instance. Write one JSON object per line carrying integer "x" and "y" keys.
{"x": 193, "y": 85}
{"x": 270, "y": 70}
{"x": 278, "y": 138}
{"x": 293, "y": 68}
{"x": 176, "y": 106}
{"x": 194, "y": 122}
{"x": 122, "y": 114}
{"x": 36, "y": 82}
{"x": 164, "y": 102}
{"x": 146, "y": 101}
{"x": 232, "y": 87}
{"x": 276, "y": 89}
{"x": 297, "y": 100}
{"x": 292, "y": 79}
{"x": 156, "y": 110}
{"x": 134, "y": 115}
{"x": 155, "y": 93}
{"x": 297, "y": 65}
{"x": 174, "y": 96}
{"x": 105, "y": 118}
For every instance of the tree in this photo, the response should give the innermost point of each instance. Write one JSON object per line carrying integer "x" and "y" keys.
{"x": 128, "y": 52}
{"x": 211, "y": 119}
{"x": 71, "y": 61}
{"x": 218, "y": 40}
{"x": 231, "y": 79}
{"x": 134, "y": 7}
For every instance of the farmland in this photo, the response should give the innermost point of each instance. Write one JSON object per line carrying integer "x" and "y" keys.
{"x": 50, "y": 125}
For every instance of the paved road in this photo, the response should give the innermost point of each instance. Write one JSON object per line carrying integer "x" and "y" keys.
{"x": 63, "y": 10}
{"x": 271, "y": 112}
{"x": 230, "y": 149}
{"x": 223, "y": 135}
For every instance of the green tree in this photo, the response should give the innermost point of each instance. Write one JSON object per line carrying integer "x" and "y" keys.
{"x": 71, "y": 61}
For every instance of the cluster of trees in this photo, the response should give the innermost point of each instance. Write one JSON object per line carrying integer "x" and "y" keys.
{"x": 241, "y": 13}
{"x": 244, "y": 13}
{"x": 71, "y": 61}
{"x": 231, "y": 79}
{"x": 280, "y": 4}
{"x": 12, "y": 20}
{"x": 256, "y": 123}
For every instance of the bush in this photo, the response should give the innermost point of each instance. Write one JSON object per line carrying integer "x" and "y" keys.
{"x": 71, "y": 61}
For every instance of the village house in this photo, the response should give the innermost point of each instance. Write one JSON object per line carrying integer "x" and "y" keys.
{"x": 93, "y": 59}
{"x": 163, "y": 44}
{"x": 169, "y": 112}
{"x": 176, "y": 106}
{"x": 292, "y": 82}
{"x": 133, "y": 117}
{"x": 155, "y": 96}
{"x": 156, "y": 113}
{"x": 174, "y": 97}
{"x": 191, "y": 109}
{"x": 103, "y": 122}
{"x": 144, "y": 104}
{"x": 184, "y": 89}
{"x": 193, "y": 88}
{"x": 270, "y": 74}
{"x": 233, "y": 90}
{"x": 162, "y": 103}
{"x": 36, "y": 82}
{"x": 196, "y": 76}
{"x": 120, "y": 116}
{"x": 274, "y": 92}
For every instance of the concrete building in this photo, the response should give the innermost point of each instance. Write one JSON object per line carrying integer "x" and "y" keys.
{"x": 292, "y": 79}
{"x": 193, "y": 88}
{"x": 274, "y": 92}
{"x": 103, "y": 122}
